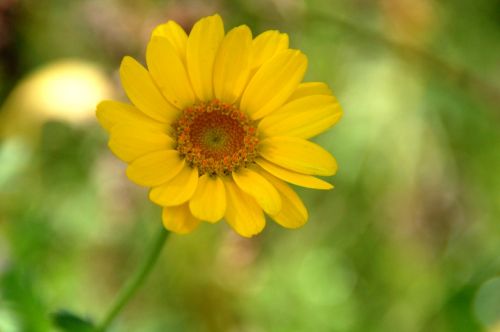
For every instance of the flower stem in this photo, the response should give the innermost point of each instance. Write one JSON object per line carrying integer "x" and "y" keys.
{"x": 128, "y": 291}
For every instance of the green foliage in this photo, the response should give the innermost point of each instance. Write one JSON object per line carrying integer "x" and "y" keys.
{"x": 20, "y": 295}
{"x": 67, "y": 321}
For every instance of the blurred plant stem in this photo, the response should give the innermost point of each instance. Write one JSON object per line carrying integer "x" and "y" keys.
{"x": 136, "y": 280}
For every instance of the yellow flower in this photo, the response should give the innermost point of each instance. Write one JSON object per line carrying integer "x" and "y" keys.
{"x": 219, "y": 123}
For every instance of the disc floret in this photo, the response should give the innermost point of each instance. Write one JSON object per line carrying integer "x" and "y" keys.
{"x": 216, "y": 137}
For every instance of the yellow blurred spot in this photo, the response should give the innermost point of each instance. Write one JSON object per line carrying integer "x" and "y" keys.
{"x": 495, "y": 328}
{"x": 66, "y": 90}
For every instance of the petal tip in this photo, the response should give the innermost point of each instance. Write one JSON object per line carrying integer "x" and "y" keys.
{"x": 127, "y": 59}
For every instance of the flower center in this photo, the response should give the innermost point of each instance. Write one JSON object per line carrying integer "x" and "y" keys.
{"x": 216, "y": 138}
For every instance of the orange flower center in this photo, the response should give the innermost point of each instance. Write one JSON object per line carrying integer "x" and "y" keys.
{"x": 216, "y": 138}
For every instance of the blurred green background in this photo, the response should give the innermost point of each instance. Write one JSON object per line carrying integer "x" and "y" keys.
{"x": 409, "y": 240}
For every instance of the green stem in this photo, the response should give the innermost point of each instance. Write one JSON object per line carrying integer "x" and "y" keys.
{"x": 135, "y": 282}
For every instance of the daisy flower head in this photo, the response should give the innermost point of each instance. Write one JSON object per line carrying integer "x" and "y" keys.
{"x": 219, "y": 123}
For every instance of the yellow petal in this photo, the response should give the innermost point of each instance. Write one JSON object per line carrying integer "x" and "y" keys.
{"x": 259, "y": 188}
{"x": 169, "y": 73}
{"x": 304, "y": 117}
{"x": 298, "y": 155}
{"x": 179, "y": 220}
{"x": 309, "y": 89}
{"x": 202, "y": 46}
{"x": 266, "y": 45}
{"x": 209, "y": 200}
{"x": 293, "y": 177}
{"x": 155, "y": 168}
{"x": 178, "y": 190}
{"x": 143, "y": 92}
{"x": 175, "y": 35}
{"x": 128, "y": 142}
{"x": 294, "y": 213}
{"x": 243, "y": 213}
{"x": 273, "y": 83}
{"x": 110, "y": 113}
{"x": 232, "y": 64}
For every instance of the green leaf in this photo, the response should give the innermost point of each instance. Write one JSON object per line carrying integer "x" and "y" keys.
{"x": 67, "y": 321}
